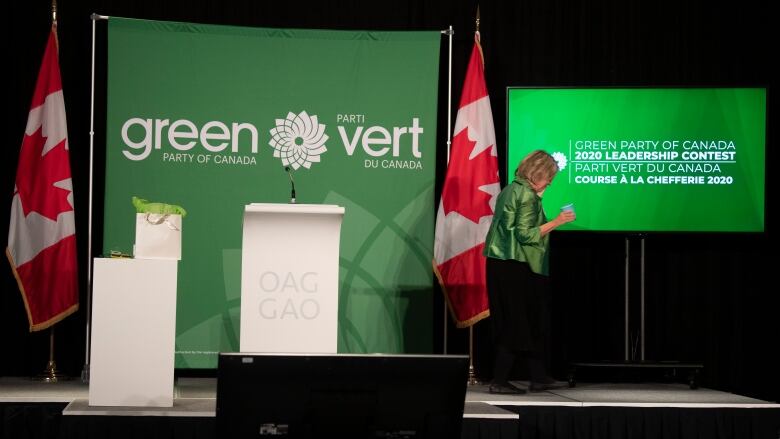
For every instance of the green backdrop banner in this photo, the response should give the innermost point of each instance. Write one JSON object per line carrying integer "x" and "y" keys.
{"x": 647, "y": 159}
{"x": 207, "y": 117}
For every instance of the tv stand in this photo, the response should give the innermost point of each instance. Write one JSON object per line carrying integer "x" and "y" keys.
{"x": 629, "y": 360}
{"x": 671, "y": 369}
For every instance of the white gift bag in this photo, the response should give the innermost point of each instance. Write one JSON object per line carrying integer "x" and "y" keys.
{"x": 157, "y": 236}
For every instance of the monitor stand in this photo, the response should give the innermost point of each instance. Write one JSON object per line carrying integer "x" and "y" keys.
{"x": 630, "y": 360}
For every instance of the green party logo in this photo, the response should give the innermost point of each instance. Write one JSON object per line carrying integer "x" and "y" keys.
{"x": 560, "y": 160}
{"x": 298, "y": 140}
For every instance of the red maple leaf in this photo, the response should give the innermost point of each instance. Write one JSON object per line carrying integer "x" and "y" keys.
{"x": 36, "y": 175}
{"x": 464, "y": 176}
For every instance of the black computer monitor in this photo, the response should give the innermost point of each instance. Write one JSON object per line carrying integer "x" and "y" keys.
{"x": 312, "y": 395}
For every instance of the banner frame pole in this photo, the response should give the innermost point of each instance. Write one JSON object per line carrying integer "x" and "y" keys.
{"x": 449, "y": 32}
{"x": 85, "y": 370}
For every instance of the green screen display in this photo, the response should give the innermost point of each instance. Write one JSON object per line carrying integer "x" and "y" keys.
{"x": 647, "y": 159}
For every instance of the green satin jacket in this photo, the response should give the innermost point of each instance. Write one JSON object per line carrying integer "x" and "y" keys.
{"x": 515, "y": 231}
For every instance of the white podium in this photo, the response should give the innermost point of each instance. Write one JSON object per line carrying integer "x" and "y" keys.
{"x": 289, "y": 278}
{"x": 133, "y": 332}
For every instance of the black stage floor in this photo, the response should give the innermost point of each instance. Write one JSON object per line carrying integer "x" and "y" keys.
{"x": 609, "y": 410}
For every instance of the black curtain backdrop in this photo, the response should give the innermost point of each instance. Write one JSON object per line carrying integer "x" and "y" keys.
{"x": 710, "y": 297}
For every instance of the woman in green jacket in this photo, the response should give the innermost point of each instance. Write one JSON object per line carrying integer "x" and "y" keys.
{"x": 517, "y": 251}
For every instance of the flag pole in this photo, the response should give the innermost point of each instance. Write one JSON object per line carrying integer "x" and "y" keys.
{"x": 472, "y": 379}
{"x": 50, "y": 374}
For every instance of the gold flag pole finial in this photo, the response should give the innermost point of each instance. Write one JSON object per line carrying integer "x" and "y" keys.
{"x": 54, "y": 23}
{"x": 477, "y": 39}
{"x": 54, "y": 13}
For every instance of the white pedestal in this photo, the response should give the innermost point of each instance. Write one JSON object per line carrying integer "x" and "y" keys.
{"x": 133, "y": 332}
{"x": 289, "y": 278}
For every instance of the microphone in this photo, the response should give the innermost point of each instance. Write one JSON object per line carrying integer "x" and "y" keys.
{"x": 292, "y": 185}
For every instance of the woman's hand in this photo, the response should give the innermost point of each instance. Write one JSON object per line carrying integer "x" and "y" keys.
{"x": 566, "y": 216}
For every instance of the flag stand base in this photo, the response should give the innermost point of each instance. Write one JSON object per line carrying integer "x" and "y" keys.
{"x": 51, "y": 374}
{"x": 472, "y": 380}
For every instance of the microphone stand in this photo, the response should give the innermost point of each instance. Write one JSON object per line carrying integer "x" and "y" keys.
{"x": 292, "y": 185}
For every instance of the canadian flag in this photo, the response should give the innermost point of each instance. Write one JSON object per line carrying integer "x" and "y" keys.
{"x": 42, "y": 232}
{"x": 468, "y": 200}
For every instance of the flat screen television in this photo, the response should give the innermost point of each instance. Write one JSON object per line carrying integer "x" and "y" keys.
{"x": 647, "y": 159}
{"x": 343, "y": 395}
